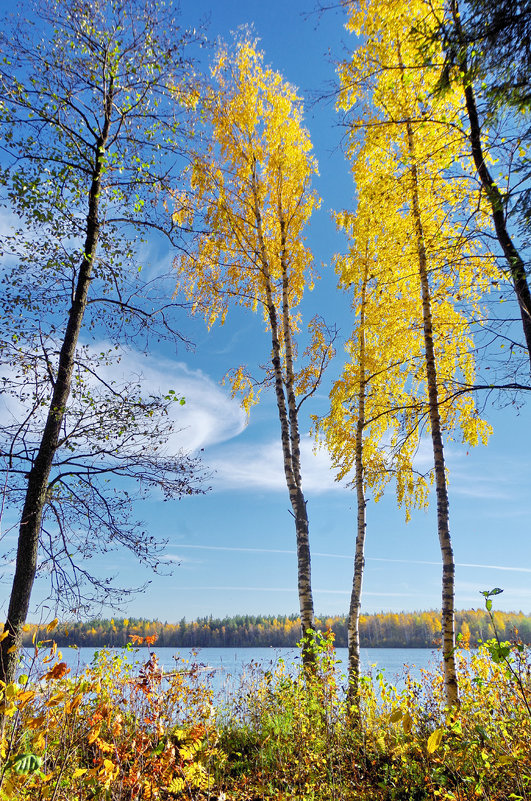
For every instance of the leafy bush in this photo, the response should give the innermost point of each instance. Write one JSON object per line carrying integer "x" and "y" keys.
{"x": 114, "y": 732}
{"x": 122, "y": 732}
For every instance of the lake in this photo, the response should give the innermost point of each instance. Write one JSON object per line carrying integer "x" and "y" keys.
{"x": 227, "y": 666}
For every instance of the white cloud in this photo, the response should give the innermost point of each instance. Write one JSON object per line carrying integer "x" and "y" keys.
{"x": 261, "y": 467}
{"x": 239, "y": 550}
{"x": 490, "y": 486}
{"x": 515, "y": 569}
{"x": 513, "y": 596}
{"x": 496, "y": 567}
{"x": 8, "y": 223}
{"x": 209, "y": 416}
{"x": 178, "y": 559}
{"x": 470, "y": 478}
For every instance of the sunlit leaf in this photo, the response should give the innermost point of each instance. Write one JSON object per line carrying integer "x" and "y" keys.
{"x": 79, "y": 772}
{"x": 92, "y": 735}
{"x": 434, "y": 740}
{"x": 407, "y": 723}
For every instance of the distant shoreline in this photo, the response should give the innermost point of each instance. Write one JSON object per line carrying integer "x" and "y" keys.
{"x": 383, "y": 630}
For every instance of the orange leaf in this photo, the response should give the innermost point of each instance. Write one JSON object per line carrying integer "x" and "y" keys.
{"x": 93, "y": 735}
{"x": 25, "y": 697}
{"x": 58, "y": 671}
{"x": 75, "y": 702}
{"x": 35, "y": 723}
{"x": 55, "y": 700}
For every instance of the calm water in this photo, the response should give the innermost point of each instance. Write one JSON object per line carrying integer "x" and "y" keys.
{"x": 227, "y": 666}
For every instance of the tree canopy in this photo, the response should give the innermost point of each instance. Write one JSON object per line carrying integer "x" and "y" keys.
{"x": 94, "y": 104}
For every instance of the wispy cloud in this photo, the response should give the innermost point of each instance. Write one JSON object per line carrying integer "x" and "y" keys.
{"x": 8, "y": 222}
{"x": 288, "y": 589}
{"x": 513, "y": 596}
{"x": 516, "y": 569}
{"x": 474, "y": 475}
{"x": 479, "y": 487}
{"x": 492, "y": 480}
{"x": 179, "y": 559}
{"x": 261, "y": 467}
{"x": 457, "y": 564}
{"x": 496, "y": 567}
{"x": 240, "y": 550}
{"x": 209, "y": 415}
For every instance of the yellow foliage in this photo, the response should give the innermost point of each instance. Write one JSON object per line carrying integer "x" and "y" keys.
{"x": 93, "y": 735}
{"x": 79, "y": 772}
{"x": 434, "y": 740}
{"x": 55, "y": 700}
{"x": 292, "y": 736}
{"x": 25, "y": 697}
{"x": 252, "y": 194}
{"x": 188, "y": 752}
{"x": 176, "y": 785}
{"x": 388, "y": 91}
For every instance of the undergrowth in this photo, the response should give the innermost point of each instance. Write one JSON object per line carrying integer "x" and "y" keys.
{"x": 117, "y": 732}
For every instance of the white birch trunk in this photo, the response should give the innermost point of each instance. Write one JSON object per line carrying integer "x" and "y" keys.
{"x": 443, "y": 527}
{"x": 289, "y": 426}
{"x": 359, "y": 556}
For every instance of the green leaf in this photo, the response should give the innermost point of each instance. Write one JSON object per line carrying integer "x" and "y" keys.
{"x": 26, "y": 763}
{"x": 488, "y": 593}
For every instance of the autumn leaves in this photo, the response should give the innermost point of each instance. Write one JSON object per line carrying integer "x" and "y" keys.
{"x": 417, "y": 267}
{"x": 252, "y": 194}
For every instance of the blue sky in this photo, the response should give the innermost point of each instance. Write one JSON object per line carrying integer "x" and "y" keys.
{"x": 233, "y": 550}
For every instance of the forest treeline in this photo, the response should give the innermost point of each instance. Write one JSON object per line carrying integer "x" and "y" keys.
{"x": 383, "y": 630}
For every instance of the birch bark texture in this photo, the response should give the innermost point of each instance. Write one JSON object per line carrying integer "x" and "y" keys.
{"x": 364, "y": 431}
{"x": 429, "y": 272}
{"x": 254, "y": 198}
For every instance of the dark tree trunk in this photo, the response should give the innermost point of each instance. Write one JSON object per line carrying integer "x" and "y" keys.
{"x": 513, "y": 258}
{"x": 35, "y": 500}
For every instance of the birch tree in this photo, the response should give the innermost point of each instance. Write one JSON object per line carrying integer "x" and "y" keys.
{"x": 363, "y": 430}
{"x": 431, "y": 273}
{"x": 255, "y": 198}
